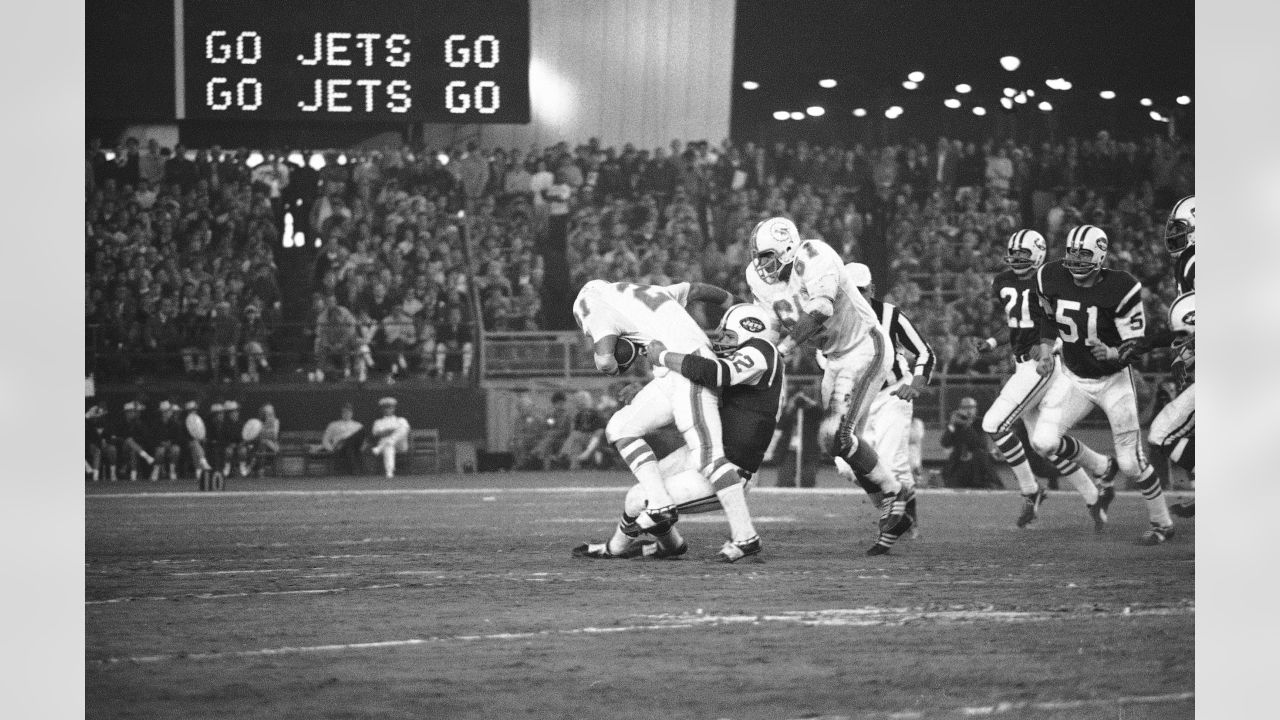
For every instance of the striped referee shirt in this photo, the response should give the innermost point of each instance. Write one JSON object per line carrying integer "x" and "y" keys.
{"x": 906, "y": 340}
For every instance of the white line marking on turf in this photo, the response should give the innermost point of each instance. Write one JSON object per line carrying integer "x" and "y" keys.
{"x": 224, "y": 596}
{"x": 856, "y": 617}
{"x": 1004, "y": 707}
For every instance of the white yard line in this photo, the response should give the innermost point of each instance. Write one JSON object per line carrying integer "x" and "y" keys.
{"x": 855, "y": 617}
{"x": 617, "y": 489}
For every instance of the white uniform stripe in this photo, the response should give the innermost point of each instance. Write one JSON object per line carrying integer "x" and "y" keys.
{"x": 1126, "y": 303}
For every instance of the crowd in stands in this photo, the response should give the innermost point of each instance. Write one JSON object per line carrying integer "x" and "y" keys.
{"x": 181, "y": 272}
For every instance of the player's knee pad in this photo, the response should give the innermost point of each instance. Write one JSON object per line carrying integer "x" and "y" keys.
{"x": 1045, "y": 439}
{"x": 1129, "y": 454}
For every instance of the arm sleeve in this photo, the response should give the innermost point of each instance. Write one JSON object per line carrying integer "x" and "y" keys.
{"x": 708, "y": 293}
{"x": 819, "y": 268}
{"x": 905, "y": 335}
{"x": 747, "y": 365}
{"x": 1131, "y": 316}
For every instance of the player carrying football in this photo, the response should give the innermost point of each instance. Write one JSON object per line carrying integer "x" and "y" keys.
{"x": 1092, "y": 310}
{"x": 748, "y": 372}
{"x": 805, "y": 284}
{"x": 1015, "y": 288}
{"x": 610, "y": 313}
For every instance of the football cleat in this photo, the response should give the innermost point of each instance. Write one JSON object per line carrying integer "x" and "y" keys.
{"x": 894, "y": 506}
{"x": 887, "y": 539}
{"x": 600, "y": 551}
{"x": 1156, "y": 534}
{"x": 1098, "y": 510}
{"x": 1031, "y": 506}
{"x": 735, "y": 551}
{"x": 1184, "y": 509}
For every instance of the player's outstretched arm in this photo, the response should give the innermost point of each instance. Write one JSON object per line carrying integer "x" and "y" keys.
{"x": 703, "y": 292}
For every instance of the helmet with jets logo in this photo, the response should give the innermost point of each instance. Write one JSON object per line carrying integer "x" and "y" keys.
{"x": 1086, "y": 251}
{"x": 773, "y": 246}
{"x": 1180, "y": 229}
{"x": 1182, "y": 320}
{"x": 742, "y": 322}
{"x": 1026, "y": 251}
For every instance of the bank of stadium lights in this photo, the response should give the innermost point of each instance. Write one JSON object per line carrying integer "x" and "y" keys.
{"x": 750, "y": 85}
{"x": 910, "y": 85}
{"x": 1010, "y": 63}
{"x": 827, "y": 83}
{"x": 859, "y": 112}
{"x": 797, "y": 115}
{"x": 916, "y": 77}
{"x": 1045, "y": 105}
{"x": 1058, "y": 83}
{"x": 979, "y": 111}
{"x": 951, "y": 103}
{"x": 815, "y": 111}
{"x": 893, "y": 112}
{"x": 1145, "y": 102}
{"x": 963, "y": 88}
{"x": 1184, "y": 99}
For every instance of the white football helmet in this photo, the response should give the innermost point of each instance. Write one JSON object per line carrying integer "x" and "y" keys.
{"x": 742, "y": 322}
{"x": 773, "y": 245}
{"x": 1026, "y": 252}
{"x": 1180, "y": 229}
{"x": 1086, "y": 251}
{"x": 1182, "y": 321}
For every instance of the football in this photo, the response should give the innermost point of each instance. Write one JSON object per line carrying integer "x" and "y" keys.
{"x": 625, "y": 352}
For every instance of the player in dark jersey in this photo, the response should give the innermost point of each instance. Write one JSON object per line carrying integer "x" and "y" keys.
{"x": 1092, "y": 310}
{"x": 748, "y": 372}
{"x": 1172, "y": 436}
{"x": 1015, "y": 288}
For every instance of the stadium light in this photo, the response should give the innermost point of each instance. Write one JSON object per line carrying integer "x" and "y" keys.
{"x": 979, "y": 111}
{"x": 342, "y": 159}
{"x": 1031, "y": 93}
{"x": 1007, "y": 103}
{"x": 1184, "y": 99}
{"x": 910, "y": 85}
{"x": 109, "y": 155}
{"x": 1107, "y": 94}
{"x": 1158, "y": 117}
{"x": 963, "y": 88}
{"x": 815, "y": 111}
{"x": 1020, "y": 98}
{"x": 781, "y": 115}
{"x": 316, "y": 162}
{"x": 797, "y": 115}
{"x": 295, "y": 157}
{"x": 750, "y": 85}
{"x": 859, "y": 112}
{"x": 951, "y": 103}
{"x": 916, "y": 76}
{"x": 827, "y": 83}
{"x": 254, "y": 160}
{"x": 893, "y": 112}
{"x": 1145, "y": 102}
{"x": 443, "y": 158}
{"x": 1010, "y": 63}
{"x": 1045, "y": 105}
{"x": 1010, "y": 92}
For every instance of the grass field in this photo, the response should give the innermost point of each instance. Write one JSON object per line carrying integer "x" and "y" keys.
{"x": 456, "y": 597}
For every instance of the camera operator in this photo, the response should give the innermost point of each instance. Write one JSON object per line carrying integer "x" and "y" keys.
{"x": 970, "y": 464}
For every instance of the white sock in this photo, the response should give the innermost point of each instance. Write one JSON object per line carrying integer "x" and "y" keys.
{"x": 734, "y": 501}
{"x": 1027, "y": 483}
{"x": 1083, "y": 485}
{"x": 389, "y": 461}
{"x": 644, "y": 465}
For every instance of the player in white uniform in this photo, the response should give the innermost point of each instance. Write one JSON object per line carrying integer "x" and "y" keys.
{"x": 1174, "y": 427}
{"x": 805, "y": 284}
{"x": 643, "y": 313}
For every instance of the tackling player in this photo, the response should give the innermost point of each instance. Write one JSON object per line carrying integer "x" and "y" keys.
{"x": 1173, "y": 430}
{"x": 607, "y": 312}
{"x": 1092, "y": 310}
{"x": 805, "y": 284}
{"x": 748, "y": 372}
{"x": 1015, "y": 287}
{"x": 1174, "y": 435}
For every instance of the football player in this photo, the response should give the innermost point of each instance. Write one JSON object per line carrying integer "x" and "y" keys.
{"x": 1180, "y": 241}
{"x": 805, "y": 285}
{"x": 748, "y": 371}
{"x": 626, "y": 313}
{"x": 1015, "y": 288}
{"x": 1092, "y": 310}
{"x": 889, "y": 426}
{"x": 1173, "y": 430}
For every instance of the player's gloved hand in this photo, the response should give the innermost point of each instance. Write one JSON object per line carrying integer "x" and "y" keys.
{"x": 1043, "y": 353}
{"x": 786, "y": 346}
{"x": 1133, "y": 347}
{"x": 1102, "y": 351}
{"x": 906, "y": 392}
{"x": 654, "y": 349}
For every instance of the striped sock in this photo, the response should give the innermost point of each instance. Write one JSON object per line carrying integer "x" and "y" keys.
{"x": 644, "y": 465}
{"x": 727, "y": 482}
{"x": 1065, "y": 465}
{"x": 1016, "y": 455}
{"x": 1157, "y": 508}
{"x": 1083, "y": 455}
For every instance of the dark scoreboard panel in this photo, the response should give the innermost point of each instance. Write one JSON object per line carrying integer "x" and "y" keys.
{"x": 437, "y": 61}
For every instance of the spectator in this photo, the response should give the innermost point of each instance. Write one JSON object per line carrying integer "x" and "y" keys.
{"x": 453, "y": 346}
{"x": 342, "y": 440}
{"x": 970, "y": 464}
{"x": 135, "y": 436}
{"x": 254, "y": 333}
{"x": 556, "y": 431}
{"x": 337, "y": 341}
{"x": 224, "y": 341}
{"x": 99, "y": 443}
{"x": 262, "y": 450}
{"x": 170, "y": 436}
{"x": 236, "y": 450}
{"x": 389, "y": 435}
{"x": 585, "y": 434}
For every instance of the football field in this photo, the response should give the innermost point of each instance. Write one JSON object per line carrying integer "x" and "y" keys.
{"x": 455, "y": 596}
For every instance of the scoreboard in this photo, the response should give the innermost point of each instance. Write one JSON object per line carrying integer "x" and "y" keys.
{"x": 436, "y": 61}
